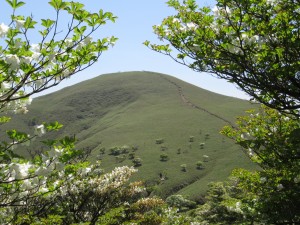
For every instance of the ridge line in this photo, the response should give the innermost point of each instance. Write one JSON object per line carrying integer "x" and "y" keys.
{"x": 191, "y": 104}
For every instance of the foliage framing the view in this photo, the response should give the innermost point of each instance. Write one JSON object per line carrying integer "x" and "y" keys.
{"x": 57, "y": 186}
{"x": 255, "y": 45}
{"x": 28, "y": 68}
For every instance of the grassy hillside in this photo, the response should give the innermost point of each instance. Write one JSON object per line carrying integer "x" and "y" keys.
{"x": 137, "y": 109}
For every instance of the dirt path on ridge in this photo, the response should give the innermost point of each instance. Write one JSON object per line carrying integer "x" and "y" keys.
{"x": 191, "y": 104}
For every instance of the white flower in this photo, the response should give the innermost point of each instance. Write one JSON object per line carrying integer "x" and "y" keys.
{"x": 251, "y": 152}
{"x": 233, "y": 49}
{"x": 183, "y": 29}
{"x": 22, "y": 195}
{"x": 227, "y": 10}
{"x": 18, "y": 44}
{"x": 39, "y": 83}
{"x": 245, "y": 136}
{"x": 44, "y": 158}
{"x": 215, "y": 27}
{"x": 43, "y": 190}
{"x": 263, "y": 179}
{"x": 21, "y": 110}
{"x": 273, "y": 129}
{"x": 216, "y": 11}
{"x": 27, "y": 101}
{"x": 176, "y": 20}
{"x": 26, "y": 59}
{"x": 87, "y": 40}
{"x": 39, "y": 130}
{"x": 35, "y": 47}
{"x": 244, "y": 36}
{"x": 48, "y": 162}
{"x": 35, "y": 181}
{"x": 69, "y": 42}
{"x": 3, "y": 29}
{"x": 36, "y": 56}
{"x": 279, "y": 187}
{"x": 297, "y": 179}
{"x": 191, "y": 26}
{"x": 66, "y": 73}
{"x": 19, "y": 23}
{"x": 79, "y": 46}
{"x": 26, "y": 184}
{"x": 168, "y": 32}
{"x": 21, "y": 170}
{"x": 41, "y": 171}
{"x": 51, "y": 57}
{"x": 56, "y": 183}
{"x": 286, "y": 118}
{"x": 63, "y": 190}
{"x": 271, "y": 2}
{"x": 13, "y": 61}
{"x": 5, "y": 85}
{"x": 256, "y": 39}
{"x": 85, "y": 171}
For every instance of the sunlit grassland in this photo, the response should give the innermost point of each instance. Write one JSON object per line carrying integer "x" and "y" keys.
{"x": 136, "y": 109}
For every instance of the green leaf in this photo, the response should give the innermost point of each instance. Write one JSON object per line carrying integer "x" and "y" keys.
{"x": 16, "y": 135}
{"x": 82, "y": 29}
{"x": 146, "y": 43}
{"x": 47, "y": 22}
{"x": 74, "y": 7}
{"x": 19, "y": 4}
{"x": 9, "y": 2}
{"x": 53, "y": 126}
{"x": 15, "y": 4}
{"x": 29, "y": 23}
{"x": 58, "y": 4}
{"x": 4, "y": 119}
{"x": 181, "y": 56}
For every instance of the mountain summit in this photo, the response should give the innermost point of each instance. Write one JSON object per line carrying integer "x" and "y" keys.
{"x": 149, "y": 114}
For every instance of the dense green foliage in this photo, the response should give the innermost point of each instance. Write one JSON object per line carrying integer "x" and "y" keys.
{"x": 272, "y": 141}
{"x": 254, "y": 44}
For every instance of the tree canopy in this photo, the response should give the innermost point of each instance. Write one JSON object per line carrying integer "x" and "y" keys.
{"x": 254, "y": 44}
{"x": 27, "y": 68}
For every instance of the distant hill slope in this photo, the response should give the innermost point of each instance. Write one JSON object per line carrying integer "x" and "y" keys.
{"x": 136, "y": 109}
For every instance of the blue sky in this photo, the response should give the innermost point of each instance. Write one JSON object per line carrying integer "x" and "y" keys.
{"x": 133, "y": 27}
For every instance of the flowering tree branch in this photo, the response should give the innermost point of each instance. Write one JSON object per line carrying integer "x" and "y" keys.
{"x": 253, "y": 44}
{"x": 28, "y": 68}
{"x": 58, "y": 184}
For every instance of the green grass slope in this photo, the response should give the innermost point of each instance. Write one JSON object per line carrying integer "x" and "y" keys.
{"x": 136, "y": 109}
